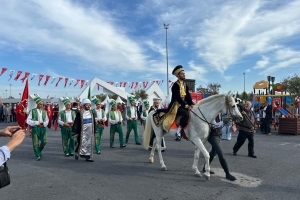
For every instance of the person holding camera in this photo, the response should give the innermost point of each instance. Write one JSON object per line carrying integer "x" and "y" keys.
{"x": 17, "y": 136}
{"x": 214, "y": 140}
{"x": 246, "y": 130}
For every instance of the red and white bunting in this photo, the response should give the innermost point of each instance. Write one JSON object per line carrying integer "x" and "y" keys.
{"x": 11, "y": 72}
{"x": 132, "y": 85}
{"x": 136, "y": 84}
{"x": 66, "y": 81}
{"x": 47, "y": 79}
{"x": 3, "y": 70}
{"x": 77, "y": 81}
{"x": 32, "y": 77}
{"x": 145, "y": 84}
{"x": 121, "y": 84}
{"x": 25, "y": 76}
{"x": 71, "y": 81}
{"x": 59, "y": 79}
{"x": 53, "y": 79}
{"x": 124, "y": 84}
{"x": 161, "y": 82}
{"x": 86, "y": 82}
{"x": 18, "y": 75}
{"x": 82, "y": 83}
{"x": 41, "y": 76}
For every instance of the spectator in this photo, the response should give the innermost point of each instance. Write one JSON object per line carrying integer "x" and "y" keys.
{"x": 1, "y": 112}
{"x": 7, "y": 113}
{"x": 13, "y": 112}
{"x": 16, "y": 139}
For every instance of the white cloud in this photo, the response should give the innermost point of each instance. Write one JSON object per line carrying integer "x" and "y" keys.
{"x": 228, "y": 78}
{"x": 286, "y": 53}
{"x": 283, "y": 64}
{"x": 196, "y": 72}
{"x": 262, "y": 63}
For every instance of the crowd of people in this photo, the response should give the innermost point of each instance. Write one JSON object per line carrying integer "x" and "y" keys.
{"x": 8, "y": 112}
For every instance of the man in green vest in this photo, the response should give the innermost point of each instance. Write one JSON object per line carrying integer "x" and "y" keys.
{"x": 131, "y": 116}
{"x": 100, "y": 118}
{"x": 115, "y": 119}
{"x": 38, "y": 120}
{"x": 145, "y": 112}
{"x": 66, "y": 120}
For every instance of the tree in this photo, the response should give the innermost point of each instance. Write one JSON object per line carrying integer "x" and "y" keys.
{"x": 291, "y": 84}
{"x": 202, "y": 89}
{"x": 111, "y": 96}
{"x": 140, "y": 94}
{"x": 211, "y": 88}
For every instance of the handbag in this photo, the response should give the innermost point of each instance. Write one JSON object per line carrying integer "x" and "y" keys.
{"x": 233, "y": 128}
{"x": 4, "y": 176}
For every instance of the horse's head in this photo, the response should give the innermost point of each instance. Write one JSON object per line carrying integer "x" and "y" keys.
{"x": 232, "y": 109}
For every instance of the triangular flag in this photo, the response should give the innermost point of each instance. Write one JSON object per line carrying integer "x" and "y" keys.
{"x": 59, "y": 79}
{"x": 32, "y": 77}
{"x": 82, "y": 83}
{"x": 46, "y": 81}
{"x": 40, "y": 78}
{"x": 26, "y": 75}
{"x": 53, "y": 79}
{"x": 77, "y": 81}
{"x": 18, "y": 75}
{"x": 22, "y": 108}
{"x": 66, "y": 81}
{"x": 3, "y": 70}
{"x": 10, "y": 74}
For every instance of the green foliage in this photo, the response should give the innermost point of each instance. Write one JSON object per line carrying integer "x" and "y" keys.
{"x": 292, "y": 84}
{"x": 140, "y": 94}
{"x": 111, "y": 96}
{"x": 211, "y": 88}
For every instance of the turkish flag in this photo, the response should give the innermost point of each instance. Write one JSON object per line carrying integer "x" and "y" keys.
{"x": 59, "y": 79}
{"x": 145, "y": 84}
{"x": 25, "y": 76}
{"x": 46, "y": 81}
{"x": 18, "y": 75}
{"x": 77, "y": 81}
{"x": 66, "y": 81}
{"x": 124, "y": 84}
{"x": 21, "y": 109}
{"x": 49, "y": 110}
{"x": 3, "y": 70}
{"x": 82, "y": 83}
{"x": 40, "y": 78}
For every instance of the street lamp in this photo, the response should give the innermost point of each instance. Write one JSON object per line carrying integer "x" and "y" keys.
{"x": 273, "y": 80}
{"x": 269, "y": 79}
{"x": 166, "y": 26}
{"x": 244, "y": 86}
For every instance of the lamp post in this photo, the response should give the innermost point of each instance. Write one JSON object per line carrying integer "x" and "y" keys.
{"x": 9, "y": 90}
{"x": 6, "y": 93}
{"x": 273, "y": 80}
{"x": 166, "y": 26}
{"x": 244, "y": 86}
{"x": 269, "y": 79}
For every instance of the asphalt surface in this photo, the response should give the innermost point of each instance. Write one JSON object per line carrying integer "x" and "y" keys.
{"x": 127, "y": 174}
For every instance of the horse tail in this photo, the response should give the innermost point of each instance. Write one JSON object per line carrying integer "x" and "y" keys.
{"x": 147, "y": 131}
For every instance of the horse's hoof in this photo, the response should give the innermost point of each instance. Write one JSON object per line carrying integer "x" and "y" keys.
{"x": 164, "y": 168}
{"x": 151, "y": 160}
{"x": 198, "y": 175}
{"x": 207, "y": 177}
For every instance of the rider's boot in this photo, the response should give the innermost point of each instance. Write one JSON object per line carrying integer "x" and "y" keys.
{"x": 226, "y": 170}
{"x": 178, "y": 134}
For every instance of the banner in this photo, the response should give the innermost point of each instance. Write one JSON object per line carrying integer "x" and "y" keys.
{"x": 32, "y": 77}
{"x": 82, "y": 83}
{"x": 40, "y": 78}
{"x": 66, "y": 81}
{"x": 3, "y": 70}
{"x": 124, "y": 84}
{"x": 121, "y": 84}
{"x": 24, "y": 78}
{"x": 59, "y": 79}
{"x": 71, "y": 81}
{"x": 21, "y": 108}
{"x": 86, "y": 82}
{"x": 46, "y": 81}
{"x": 10, "y": 74}
{"x": 145, "y": 84}
{"x": 18, "y": 75}
{"x": 53, "y": 79}
{"x": 77, "y": 81}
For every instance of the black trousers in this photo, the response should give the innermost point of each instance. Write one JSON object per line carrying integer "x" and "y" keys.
{"x": 152, "y": 138}
{"x": 216, "y": 150}
{"x": 268, "y": 122}
{"x": 243, "y": 135}
{"x": 185, "y": 116}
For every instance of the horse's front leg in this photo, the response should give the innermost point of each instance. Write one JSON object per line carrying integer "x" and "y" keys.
{"x": 203, "y": 150}
{"x": 158, "y": 144}
{"x": 151, "y": 158}
{"x": 196, "y": 160}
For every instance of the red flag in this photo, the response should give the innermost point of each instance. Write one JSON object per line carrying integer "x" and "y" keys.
{"x": 171, "y": 84}
{"x": 18, "y": 75}
{"x": 132, "y": 85}
{"x": 21, "y": 111}
{"x": 121, "y": 84}
{"x": 77, "y": 81}
{"x": 98, "y": 86}
{"x": 136, "y": 84}
{"x": 124, "y": 84}
{"x": 82, "y": 83}
{"x": 40, "y": 78}
{"x": 145, "y": 84}
{"x": 26, "y": 75}
{"x": 111, "y": 83}
{"x": 46, "y": 81}
{"x": 156, "y": 81}
{"x": 3, "y": 70}
{"x": 59, "y": 79}
{"x": 66, "y": 81}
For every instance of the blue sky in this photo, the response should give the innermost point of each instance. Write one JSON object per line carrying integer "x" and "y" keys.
{"x": 215, "y": 41}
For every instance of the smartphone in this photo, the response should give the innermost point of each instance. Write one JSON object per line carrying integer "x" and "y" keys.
{"x": 16, "y": 130}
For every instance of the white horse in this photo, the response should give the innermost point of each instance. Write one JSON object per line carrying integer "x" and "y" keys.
{"x": 197, "y": 131}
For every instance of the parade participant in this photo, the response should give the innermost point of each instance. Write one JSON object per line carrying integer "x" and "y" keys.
{"x": 131, "y": 116}
{"x": 100, "y": 118}
{"x": 84, "y": 129}
{"x": 66, "y": 120}
{"x": 246, "y": 130}
{"x": 155, "y": 107}
{"x": 181, "y": 100}
{"x": 38, "y": 120}
{"x": 214, "y": 140}
{"x": 115, "y": 119}
{"x": 49, "y": 111}
{"x": 145, "y": 111}
{"x": 75, "y": 107}
{"x": 55, "y": 113}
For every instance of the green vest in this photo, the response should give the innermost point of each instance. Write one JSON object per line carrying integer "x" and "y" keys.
{"x": 63, "y": 116}
{"x": 129, "y": 111}
{"x": 145, "y": 113}
{"x": 112, "y": 114}
{"x": 35, "y": 116}
{"x": 94, "y": 111}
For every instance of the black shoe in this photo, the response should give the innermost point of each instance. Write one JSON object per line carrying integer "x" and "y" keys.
{"x": 234, "y": 153}
{"x": 89, "y": 160}
{"x": 71, "y": 154}
{"x": 252, "y": 156}
{"x": 112, "y": 147}
{"x": 76, "y": 156}
{"x": 230, "y": 177}
{"x": 123, "y": 146}
{"x": 162, "y": 150}
{"x": 138, "y": 143}
{"x": 178, "y": 138}
{"x": 126, "y": 141}
{"x": 211, "y": 172}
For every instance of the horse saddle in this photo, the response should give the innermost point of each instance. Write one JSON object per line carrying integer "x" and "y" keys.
{"x": 176, "y": 124}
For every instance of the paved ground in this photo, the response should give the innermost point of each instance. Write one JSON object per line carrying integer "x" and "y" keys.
{"x": 126, "y": 174}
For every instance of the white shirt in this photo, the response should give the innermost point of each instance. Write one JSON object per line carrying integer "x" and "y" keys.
{"x": 133, "y": 113}
{"x": 68, "y": 118}
{"x": 217, "y": 124}
{"x": 30, "y": 122}
{"x": 99, "y": 115}
{"x": 117, "y": 118}
{"x": 264, "y": 111}
{"x": 4, "y": 154}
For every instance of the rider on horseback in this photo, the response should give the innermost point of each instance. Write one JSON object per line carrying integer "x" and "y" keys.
{"x": 181, "y": 100}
